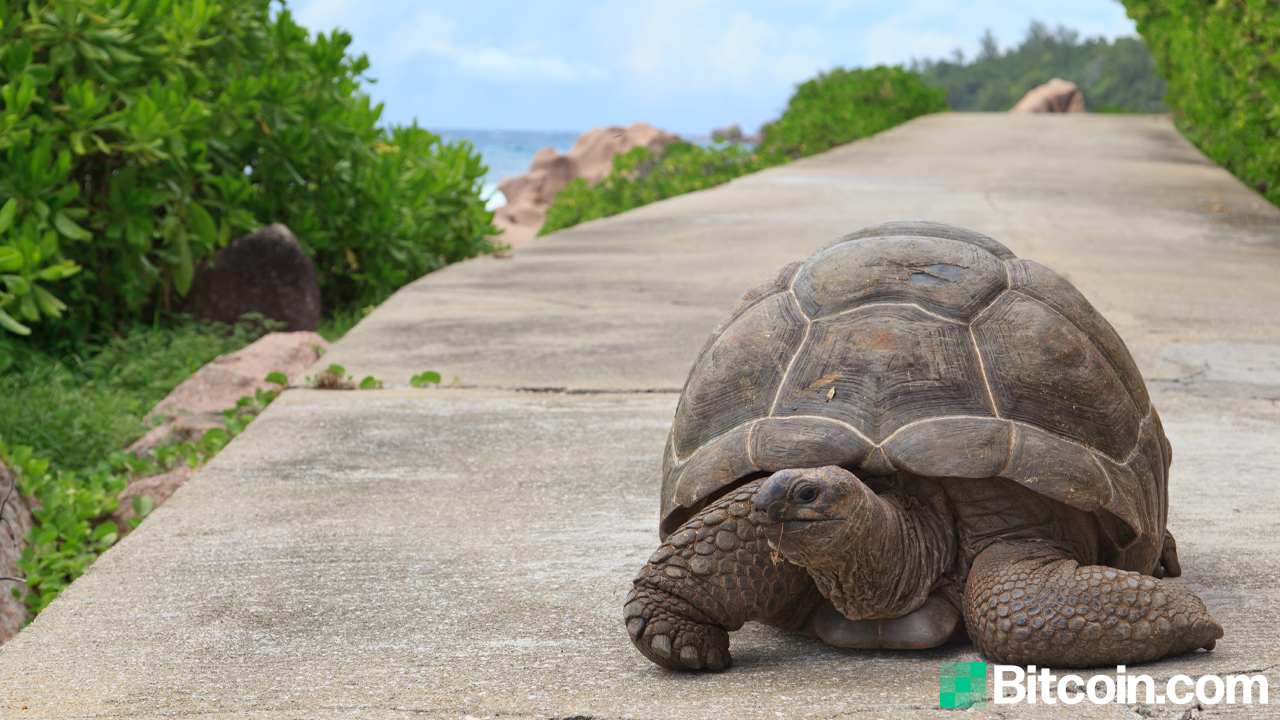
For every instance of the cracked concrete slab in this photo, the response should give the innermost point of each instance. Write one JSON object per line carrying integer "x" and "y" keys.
{"x": 451, "y": 553}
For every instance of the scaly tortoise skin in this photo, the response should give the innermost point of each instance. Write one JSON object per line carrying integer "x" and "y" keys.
{"x": 913, "y": 434}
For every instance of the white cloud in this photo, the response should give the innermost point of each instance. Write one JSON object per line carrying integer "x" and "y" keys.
{"x": 419, "y": 31}
{"x": 497, "y": 65}
{"x": 427, "y": 32}
{"x": 676, "y": 51}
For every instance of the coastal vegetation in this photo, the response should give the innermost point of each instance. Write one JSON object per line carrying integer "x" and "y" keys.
{"x": 1115, "y": 76}
{"x": 137, "y": 138}
{"x": 1224, "y": 80}
{"x": 832, "y": 109}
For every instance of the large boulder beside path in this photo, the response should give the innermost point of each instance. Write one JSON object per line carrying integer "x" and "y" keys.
{"x": 591, "y": 158}
{"x": 1055, "y": 96}
{"x": 267, "y": 272}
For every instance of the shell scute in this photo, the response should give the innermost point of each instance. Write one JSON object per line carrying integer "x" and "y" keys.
{"x": 1057, "y": 469}
{"x": 778, "y": 443}
{"x": 950, "y": 278}
{"x": 883, "y": 368}
{"x": 925, "y": 228}
{"x": 968, "y": 447}
{"x": 738, "y": 374}
{"x": 1045, "y": 372}
{"x": 1048, "y": 287}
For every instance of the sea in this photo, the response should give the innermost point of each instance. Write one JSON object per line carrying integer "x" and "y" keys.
{"x": 508, "y": 153}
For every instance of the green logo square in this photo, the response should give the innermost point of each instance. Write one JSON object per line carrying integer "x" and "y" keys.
{"x": 962, "y": 684}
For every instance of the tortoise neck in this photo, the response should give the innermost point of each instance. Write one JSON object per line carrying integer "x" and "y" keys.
{"x": 898, "y": 546}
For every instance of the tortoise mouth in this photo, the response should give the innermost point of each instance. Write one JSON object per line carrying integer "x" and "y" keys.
{"x": 775, "y": 529}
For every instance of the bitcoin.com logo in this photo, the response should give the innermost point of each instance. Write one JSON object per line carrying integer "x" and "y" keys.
{"x": 962, "y": 684}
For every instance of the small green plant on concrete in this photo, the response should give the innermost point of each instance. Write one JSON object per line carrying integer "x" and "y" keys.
{"x": 370, "y": 382}
{"x": 333, "y": 377}
{"x": 424, "y": 379}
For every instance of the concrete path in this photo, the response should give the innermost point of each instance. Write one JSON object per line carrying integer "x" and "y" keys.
{"x": 464, "y": 552}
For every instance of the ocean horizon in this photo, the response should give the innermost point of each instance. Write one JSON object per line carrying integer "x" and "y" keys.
{"x": 508, "y": 153}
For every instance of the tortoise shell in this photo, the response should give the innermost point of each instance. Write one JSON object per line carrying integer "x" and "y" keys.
{"x": 924, "y": 348}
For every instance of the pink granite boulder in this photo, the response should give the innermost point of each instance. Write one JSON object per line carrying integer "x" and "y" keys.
{"x": 591, "y": 158}
{"x": 1055, "y": 96}
{"x": 197, "y": 404}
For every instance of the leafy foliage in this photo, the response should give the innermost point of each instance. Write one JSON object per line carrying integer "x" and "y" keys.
{"x": 423, "y": 379}
{"x": 841, "y": 106}
{"x": 641, "y": 176}
{"x": 835, "y": 108}
{"x": 1222, "y": 61}
{"x": 70, "y": 505}
{"x": 1114, "y": 76}
{"x": 138, "y": 136}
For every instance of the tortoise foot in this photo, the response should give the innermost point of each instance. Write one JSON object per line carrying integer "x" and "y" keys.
{"x": 672, "y": 633}
{"x": 1031, "y": 604}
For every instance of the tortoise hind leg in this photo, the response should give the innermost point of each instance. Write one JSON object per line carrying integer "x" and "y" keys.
{"x": 712, "y": 575}
{"x": 1169, "y": 565}
{"x": 1031, "y": 603}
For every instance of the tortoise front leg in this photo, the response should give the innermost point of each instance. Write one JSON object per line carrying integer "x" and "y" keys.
{"x": 1031, "y": 603}
{"x": 712, "y": 575}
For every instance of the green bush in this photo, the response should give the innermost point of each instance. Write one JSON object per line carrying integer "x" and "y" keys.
{"x": 70, "y": 506}
{"x": 833, "y": 109}
{"x": 1222, "y": 61}
{"x": 1118, "y": 76}
{"x": 641, "y": 176}
{"x": 139, "y": 136}
{"x": 841, "y": 106}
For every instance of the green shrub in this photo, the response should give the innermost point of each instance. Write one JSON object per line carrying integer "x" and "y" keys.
{"x": 139, "y": 136}
{"x": 833, "y": 109}
{"x": 1222, "y": 61}
{"x": 641, "y": 176}
{"x": 841, "y": 106}
{"x": 70, "y": 505}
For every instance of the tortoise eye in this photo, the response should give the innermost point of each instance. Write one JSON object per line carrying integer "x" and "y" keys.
{"x": 806, "y": 494}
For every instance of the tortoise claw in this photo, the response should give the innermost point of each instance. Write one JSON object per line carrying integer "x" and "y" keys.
{"x": 661, "y": 628}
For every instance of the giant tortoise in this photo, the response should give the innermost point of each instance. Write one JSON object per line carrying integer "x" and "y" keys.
{"x": 912, "y": 435}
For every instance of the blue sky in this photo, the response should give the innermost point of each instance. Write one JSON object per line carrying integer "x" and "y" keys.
{"x": 684, "y": 65}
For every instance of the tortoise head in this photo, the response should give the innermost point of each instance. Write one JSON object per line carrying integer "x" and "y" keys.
{"x": 810, "y": 514}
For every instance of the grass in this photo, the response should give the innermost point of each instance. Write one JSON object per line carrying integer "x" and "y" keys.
{"x": 76, "y": 411}
{"x": 63, "y": 423}
{"x": 333, "y": 327}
